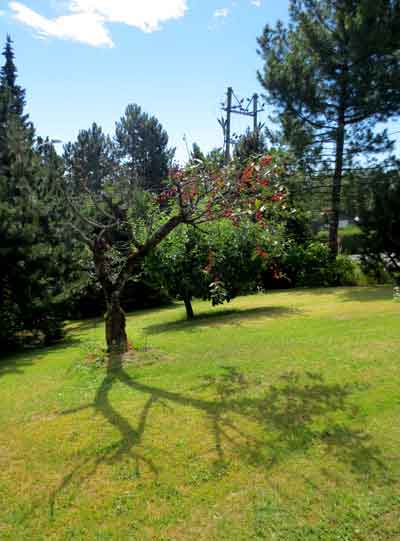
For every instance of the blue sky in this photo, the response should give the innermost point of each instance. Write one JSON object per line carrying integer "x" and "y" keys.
{"x": 85, "y": 60}
{"x": 178, "y": 72}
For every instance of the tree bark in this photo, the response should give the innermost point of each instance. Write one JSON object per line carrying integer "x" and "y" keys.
{"x": 116, "y": 338}
{"x": 337, "y": 177}
{"x": 189, "y": 308}
{"x": 336, "y": 194}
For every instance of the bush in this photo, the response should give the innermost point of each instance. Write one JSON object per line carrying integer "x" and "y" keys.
{"x": 311, "y": 265}
{"x": 10, "y": 323}
{"x": 376, "y": 272}
{"x": 52, "y": 329}
{"x": 347, "y": 272}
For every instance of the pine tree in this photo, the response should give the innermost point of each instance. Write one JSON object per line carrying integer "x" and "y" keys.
{"x": 142, "y": 145}
{"x": 379, "y": 219}
{"x": 90, "y": 160}
{"x": 333, "y": 73}
{"x": 196, "y": 153}
{"x": 252, "y": 143}
{"x": 13, "y": 94}
{"x": 34, "y": 260}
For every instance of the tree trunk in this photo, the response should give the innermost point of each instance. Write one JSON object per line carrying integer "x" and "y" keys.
{"x": 189, "y": 308}
{"x": 335, "y": 211}
{"x": 337, "y": 180}
{"x": 116, "y": 338}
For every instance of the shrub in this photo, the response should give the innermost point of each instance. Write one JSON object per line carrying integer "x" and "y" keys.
{"x": 347, "y": 272}
{"x": 375, "y": 271}
{"x": 10, "y": 321}
{"x": 51, "y": 327}
{"x": 311, "y": 265}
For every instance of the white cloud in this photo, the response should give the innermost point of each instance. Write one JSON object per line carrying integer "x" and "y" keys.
{"x": 221, "y": 12}
{"x": 86, "y": 20}
{"x": 83, "y": 27}
{"x": 256, "y": 3}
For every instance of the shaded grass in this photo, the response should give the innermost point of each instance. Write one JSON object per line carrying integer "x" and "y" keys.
{"x": 276, "y": 420}
{"x": 221, "y": 317}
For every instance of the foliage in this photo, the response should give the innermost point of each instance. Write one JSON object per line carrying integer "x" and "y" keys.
{"x": 380, "y": 223}
{"x": 251, "y": 144}
{"x": 35, "y": 256}
{"x": 142, "y": 145}
{"x": 196, "y": 154}
{"x": 37, "y": 261}
{"x": 298, "y": 226}
{"x": 319, "y": 71}
{"x": 216, "y": 263}
{"x": 122, "y": 224}
{"x": 90, "y": 160}
{"x": 13, "y": 95}
{"x": 178, "y": 264}
{"x": 215, "y": 156}
{"x": 311, "y": 265}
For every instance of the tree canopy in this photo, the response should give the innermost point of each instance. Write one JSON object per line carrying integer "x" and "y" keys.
{"x": 142, "y": 145}
{"x": 332, "y": 74}
{"x": 122, "y": 224}
{"x": 35, "y": 257}
{"x": 379, "y": 219}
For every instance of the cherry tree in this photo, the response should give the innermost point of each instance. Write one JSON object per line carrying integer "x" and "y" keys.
{"x": 121, "y": 225}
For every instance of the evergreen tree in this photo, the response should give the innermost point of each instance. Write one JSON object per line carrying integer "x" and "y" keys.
{"x": 13, "y": 94}
{"x": 142, "y": 145}
{"x": 90, "y": 160}
{"x": 29, "y": 256}
{"x": 333, "y": 73}
{"x": 34, "y": 260}
{"x": 252, "y": 143}
{"x": 379, "y": 219}
{"x": 196, "y": 153}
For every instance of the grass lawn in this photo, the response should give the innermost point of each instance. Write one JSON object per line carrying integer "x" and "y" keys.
{"x": 276, "y": 418}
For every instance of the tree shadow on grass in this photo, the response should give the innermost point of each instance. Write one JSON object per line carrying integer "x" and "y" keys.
{"x": 227, "y": 316}
{"x": 287, "y": 418}
{"x": 367, "y": 294}
{"x": 14, "y": 363}
{"x": 84, "y": 325}
{"x": 346, "y": 293}
{"x": 93, "y": 323}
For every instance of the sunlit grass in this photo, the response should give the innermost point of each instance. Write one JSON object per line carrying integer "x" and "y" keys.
{"x": 273, "y": 418}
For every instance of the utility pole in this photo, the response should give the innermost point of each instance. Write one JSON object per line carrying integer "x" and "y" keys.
{"x": 234, "y": 105}
{"x": 228, "y": 124}
{"x": 255, "y": 113}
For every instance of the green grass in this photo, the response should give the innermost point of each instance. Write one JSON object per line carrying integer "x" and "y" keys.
{"x": 276, "y": 418}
